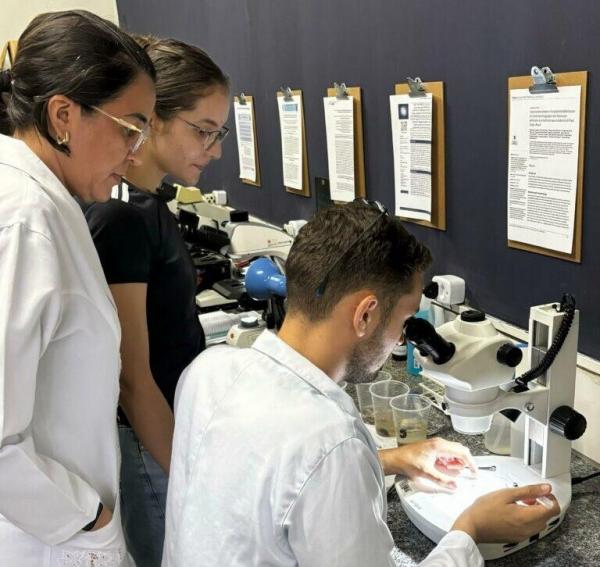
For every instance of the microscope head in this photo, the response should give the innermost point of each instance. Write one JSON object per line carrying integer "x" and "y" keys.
{"x": 471, "y": 359}
{"x": 251, "y": 239}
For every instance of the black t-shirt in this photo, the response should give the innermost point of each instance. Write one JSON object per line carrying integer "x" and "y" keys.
{"x": 138, "y": 241}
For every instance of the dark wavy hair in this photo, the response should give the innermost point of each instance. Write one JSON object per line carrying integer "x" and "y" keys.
{"x": 73, "y": 53}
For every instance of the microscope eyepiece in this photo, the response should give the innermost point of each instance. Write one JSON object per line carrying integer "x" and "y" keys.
{"x": 423, "y": 336}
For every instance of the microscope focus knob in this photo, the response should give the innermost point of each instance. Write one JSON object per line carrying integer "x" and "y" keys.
{"x": 472, "y": 316}
{"x": 249, "y": 322}
{"x": 567, "y": 422}
{"x": 509, "y": 355}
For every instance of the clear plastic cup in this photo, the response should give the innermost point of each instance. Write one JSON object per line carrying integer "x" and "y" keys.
{"x": 365, "y": 401}
{"x": 497, "y": 439}
{"x": 381, "y": 393}
{"x": 410, "y": 414}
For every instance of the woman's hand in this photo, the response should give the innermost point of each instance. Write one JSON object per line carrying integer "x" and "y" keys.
{"x": 103, "y": 519}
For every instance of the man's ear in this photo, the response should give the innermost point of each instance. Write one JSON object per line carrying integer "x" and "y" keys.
{"x": 365, "y": 318}
{"x": 63, "y": 116}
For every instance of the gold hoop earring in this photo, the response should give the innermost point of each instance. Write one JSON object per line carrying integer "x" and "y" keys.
{"x": 64, "y": 141}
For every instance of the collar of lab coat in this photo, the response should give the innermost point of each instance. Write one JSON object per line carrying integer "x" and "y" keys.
{"x": 16, "y": 154}
{"x": 272, "y": 346}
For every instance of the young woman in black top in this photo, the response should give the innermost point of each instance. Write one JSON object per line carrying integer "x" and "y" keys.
{"x": 152, "y": 278}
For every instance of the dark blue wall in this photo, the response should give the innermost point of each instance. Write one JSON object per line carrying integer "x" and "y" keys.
{"x": 471, "y": 45}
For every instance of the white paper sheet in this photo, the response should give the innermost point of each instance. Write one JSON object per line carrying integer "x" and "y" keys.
{"x": 412, "y": 120}
{"x": 290, "y": 120}
{"x": 244, "y": 126}
{"x": 339, "y": 126}
{"x": 543, "y": 156}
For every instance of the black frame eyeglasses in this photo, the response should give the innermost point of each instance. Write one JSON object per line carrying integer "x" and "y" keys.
{"x": 210, "y": 137}
{"x": 382, "y": 213}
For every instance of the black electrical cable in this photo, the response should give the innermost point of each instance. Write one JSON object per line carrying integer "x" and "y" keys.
{"x": 580, "y": 479}
{"x": 279, "y": 308}
{"x": 275, "y": 312}
{"x": 567, "y": 305}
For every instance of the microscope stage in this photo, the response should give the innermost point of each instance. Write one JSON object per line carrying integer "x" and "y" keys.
{"x": 434, "y": 510}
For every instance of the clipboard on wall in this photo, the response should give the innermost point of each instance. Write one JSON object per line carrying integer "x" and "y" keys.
{"x": 305, "y": 190}
{"x": 8, "y": 53}
{"x": 561, "y": 80}
{"x": 249, "y": 99}
{"x": 438, "y": 155}
{"x": 359, "y": 149}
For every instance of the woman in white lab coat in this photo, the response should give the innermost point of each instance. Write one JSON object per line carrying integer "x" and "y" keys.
{"x": 76, "y": 104}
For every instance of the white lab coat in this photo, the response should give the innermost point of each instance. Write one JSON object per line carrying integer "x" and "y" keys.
{"x": 272, "y": 466}
{"x": 59, "y": 370}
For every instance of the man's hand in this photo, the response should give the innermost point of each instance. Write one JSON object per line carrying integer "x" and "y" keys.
{"x": 496, "y": 517}
{"x": 434, "y": 459}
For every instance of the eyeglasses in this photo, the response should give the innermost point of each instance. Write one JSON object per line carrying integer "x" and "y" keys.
{"x": 209, "y": 137}
{"x": 376, "y": 205}
{"x": 137, "y": 135}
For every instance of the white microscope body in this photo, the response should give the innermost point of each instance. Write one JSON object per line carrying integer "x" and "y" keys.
{"x": 478, "y": 375}
{"x": 247, "y": 239}
{"x": 251, "y": 239}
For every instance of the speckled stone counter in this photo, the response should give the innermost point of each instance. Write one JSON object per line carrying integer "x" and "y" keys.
{"x": 575, "y": 543}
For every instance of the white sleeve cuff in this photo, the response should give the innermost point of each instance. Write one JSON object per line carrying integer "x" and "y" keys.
{"x": 460, "y": 540}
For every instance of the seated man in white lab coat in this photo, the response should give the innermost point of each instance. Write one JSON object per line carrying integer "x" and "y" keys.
{"x": 272, "y": 465}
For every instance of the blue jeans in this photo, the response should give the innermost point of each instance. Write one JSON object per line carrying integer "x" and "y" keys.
{"x": 143, "y": 500}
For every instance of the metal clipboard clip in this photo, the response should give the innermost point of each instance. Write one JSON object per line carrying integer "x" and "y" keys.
{"x": 544, "y": 80}
{"x": 287, "y": 93}
{"x": 416, "y": 87}
{"x": 242, "y": 99}
{"x": 341, "y": 91}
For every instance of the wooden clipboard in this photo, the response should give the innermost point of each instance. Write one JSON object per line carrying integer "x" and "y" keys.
{"x": 305, "y": 191}
{"x": 438, "y": 156}
{"x": 9, "y": 51}
{"x": 562, "y": 80}
{"x": 256, "y": 183}
{"x": 359, "y": 148}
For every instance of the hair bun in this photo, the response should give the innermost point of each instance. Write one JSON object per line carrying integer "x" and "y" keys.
{"x": 5, "y": 81}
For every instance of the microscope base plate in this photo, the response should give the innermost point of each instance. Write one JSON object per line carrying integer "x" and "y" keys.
{"x": 434, "y": 510}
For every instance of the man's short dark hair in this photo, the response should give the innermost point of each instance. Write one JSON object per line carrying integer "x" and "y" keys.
{"x": 384, "y": 259}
